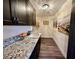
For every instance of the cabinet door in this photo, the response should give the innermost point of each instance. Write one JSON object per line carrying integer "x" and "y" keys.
{"x": 24, "y": 11}
{"x": 6, "y": 10}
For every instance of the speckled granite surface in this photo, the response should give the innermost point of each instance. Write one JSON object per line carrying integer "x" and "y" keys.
{"x": 21, "y": 49}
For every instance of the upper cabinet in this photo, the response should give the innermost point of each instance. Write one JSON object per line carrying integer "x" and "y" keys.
{"x": 19, "y": 12}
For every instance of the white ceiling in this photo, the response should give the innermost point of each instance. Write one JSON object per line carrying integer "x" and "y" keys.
{"x": 54, "y": 6}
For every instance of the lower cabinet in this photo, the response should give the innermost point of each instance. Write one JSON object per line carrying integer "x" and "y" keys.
{"x": 35, "y": 53}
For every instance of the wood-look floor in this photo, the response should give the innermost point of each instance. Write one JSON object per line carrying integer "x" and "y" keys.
{"x": 49, "y": 50}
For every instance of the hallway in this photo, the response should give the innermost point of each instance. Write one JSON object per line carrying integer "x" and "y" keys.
{"x": 49, "y": 50}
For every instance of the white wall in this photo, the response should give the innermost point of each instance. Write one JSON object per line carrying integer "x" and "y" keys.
{"x": 61, "y": 41}
{"x": 46, "y": 30}
{"x": 60, "y": 38}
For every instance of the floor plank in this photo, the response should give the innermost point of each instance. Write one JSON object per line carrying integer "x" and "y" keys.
{"x": 49, "y": 50}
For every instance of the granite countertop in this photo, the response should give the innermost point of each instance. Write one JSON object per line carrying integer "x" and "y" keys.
{"x": 21, "y": 49}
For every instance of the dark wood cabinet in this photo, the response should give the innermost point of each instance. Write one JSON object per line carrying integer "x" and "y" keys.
{"x": 6, "y": 10}
{"x": 35, "y": 53}
{"x": 19, "y": 12}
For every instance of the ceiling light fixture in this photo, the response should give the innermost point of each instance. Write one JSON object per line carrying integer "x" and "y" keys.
{"x": 45, "y": 6}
